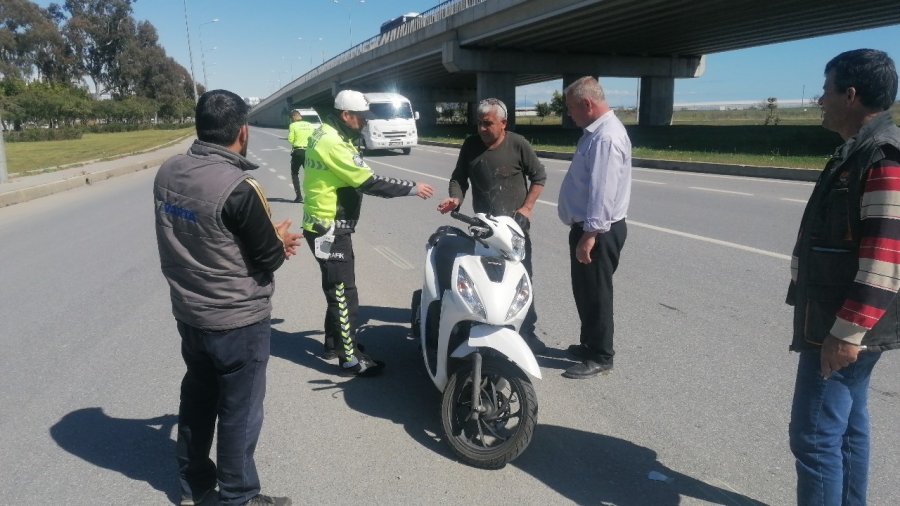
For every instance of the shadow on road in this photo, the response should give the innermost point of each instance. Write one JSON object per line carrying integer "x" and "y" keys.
{"x": 402, "y": 394}
{"x": 141, "y": 449}
{"x": 584, "y": 467}
{"x": 590, "y": 468}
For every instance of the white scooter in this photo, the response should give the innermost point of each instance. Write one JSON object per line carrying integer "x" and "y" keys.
{"x": 467, "y": 316}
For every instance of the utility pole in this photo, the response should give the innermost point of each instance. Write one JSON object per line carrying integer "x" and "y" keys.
{"x": 190, "y": 54}
{"x": 4, "y": 175}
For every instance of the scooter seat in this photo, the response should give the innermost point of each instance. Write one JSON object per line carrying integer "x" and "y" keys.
{"x": 451, "y": 243}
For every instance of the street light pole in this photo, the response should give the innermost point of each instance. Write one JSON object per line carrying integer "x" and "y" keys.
{"x": 4, "y": 175}
{"x": 190, "y": 54}
{"x": 349, "y": 17}
{"x": 202, "y": 53}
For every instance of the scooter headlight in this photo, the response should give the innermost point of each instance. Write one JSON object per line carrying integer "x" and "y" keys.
{"x": 518, "y": 246}
{"x": 523, "y": 291}
{"x": 469, "y": 294}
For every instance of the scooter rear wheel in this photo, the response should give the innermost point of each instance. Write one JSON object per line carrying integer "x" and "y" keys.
{"x": 503, "y": 431}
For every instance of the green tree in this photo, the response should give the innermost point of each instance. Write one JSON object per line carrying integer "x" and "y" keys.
{"x": 52, "y": 104}
{"x": 772, "y": 111}
{"x": 542, "y": 109}
{"x": 558, "y": 103}
{"x": 98, "y": 31}
{"x": 31, "y": 44}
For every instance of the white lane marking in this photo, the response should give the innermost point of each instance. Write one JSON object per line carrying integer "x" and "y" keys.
{"x": 394, "y": 257}
{"x": 710, "y": 240}
{"x": 271, "y": 169}
{"x": 447, "y": 153}
{"x": 719, "y": 191}
{"x": 646, "y": 181}
{"x": 801, "y": 201}
{"x": 644, "y": 225}
{"x": 408, "y": 170}
{"x": 265, "y": 132}
{"x": 700, "y": 238}
{"x": 282, "y": 178}
{"x": 725, "y": 176}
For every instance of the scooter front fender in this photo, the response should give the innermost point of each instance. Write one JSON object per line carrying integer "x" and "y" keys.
{"x": 504, "y": 340}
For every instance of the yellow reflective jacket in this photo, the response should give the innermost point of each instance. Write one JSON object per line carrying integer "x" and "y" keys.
{"x": 335, "y": 180}
{"x": 299, "y": 132}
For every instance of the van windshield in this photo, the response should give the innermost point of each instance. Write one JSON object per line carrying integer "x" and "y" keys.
{"x": 391, "y": 110}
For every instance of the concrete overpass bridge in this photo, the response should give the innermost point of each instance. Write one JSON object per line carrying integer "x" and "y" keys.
{"x": 467, "y": 50}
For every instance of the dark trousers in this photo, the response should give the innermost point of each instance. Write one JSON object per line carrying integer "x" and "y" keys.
{"x": 592, "y": 287}
{"x": 528, "y": 324}
{"x": 298, "y": 158}
{"x": 339, "y": 287}
{"x": 225, "y": 379}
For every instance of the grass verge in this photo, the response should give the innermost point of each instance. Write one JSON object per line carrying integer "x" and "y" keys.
{"x": 23, "y": 157}
{"x": 794, "y": 146}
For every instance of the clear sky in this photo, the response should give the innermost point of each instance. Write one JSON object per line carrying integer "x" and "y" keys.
{"x": 257, "y": 46}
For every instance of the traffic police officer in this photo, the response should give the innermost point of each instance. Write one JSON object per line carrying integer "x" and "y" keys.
{"x": 336, "y": 179}
{"x": 298, "y": 135}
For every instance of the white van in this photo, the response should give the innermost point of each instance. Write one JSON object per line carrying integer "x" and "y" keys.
{"x": 311, "y": 116}
{"x": 392, "y": 123}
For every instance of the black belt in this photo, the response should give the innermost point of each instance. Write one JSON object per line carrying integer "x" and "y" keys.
{"x": 579, "y": 225}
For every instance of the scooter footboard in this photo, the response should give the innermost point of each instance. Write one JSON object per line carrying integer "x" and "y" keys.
{"x": 504, "y": 340}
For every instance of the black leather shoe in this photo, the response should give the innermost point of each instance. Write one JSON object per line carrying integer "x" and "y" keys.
{"x": 298, "y": 200}
{"x": 588, "y": 369}
{"x": 579, "y": 351}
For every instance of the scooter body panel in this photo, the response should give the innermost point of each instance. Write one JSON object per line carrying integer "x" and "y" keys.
{"x": 503, "y": 340}
{"x": 493, "y": 330}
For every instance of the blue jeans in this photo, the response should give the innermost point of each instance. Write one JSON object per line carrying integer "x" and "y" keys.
{"x": 225, "y": 380}
{"x": 829, "y": 431}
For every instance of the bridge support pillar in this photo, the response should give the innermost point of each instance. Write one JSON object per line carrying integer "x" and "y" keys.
{"x": 500, "y": 85}
{"x": 427, "y": 113}
{"x": 657, "y": 101}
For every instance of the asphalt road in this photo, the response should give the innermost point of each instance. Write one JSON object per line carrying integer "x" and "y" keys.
{"x": 695, "y": 412}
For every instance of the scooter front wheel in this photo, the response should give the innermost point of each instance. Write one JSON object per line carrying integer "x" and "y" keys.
{"x": 504, "y": 427}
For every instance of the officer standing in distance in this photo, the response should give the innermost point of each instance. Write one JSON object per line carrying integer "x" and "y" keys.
{"x": 298, "y": 135}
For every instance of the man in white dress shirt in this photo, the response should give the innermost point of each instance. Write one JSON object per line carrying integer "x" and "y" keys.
{"x": 593, "y": 201}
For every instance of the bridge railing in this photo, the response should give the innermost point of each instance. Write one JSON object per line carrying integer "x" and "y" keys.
{"x": 429, "y": 17}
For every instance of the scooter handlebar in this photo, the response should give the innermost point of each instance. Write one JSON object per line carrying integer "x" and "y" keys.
{"x": 466, "y": 219}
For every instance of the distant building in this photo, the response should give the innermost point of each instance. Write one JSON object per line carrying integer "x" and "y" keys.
{"x": 528, "y": 110}
{"x": 251, "y": 101}
{"x": 736, "y": 105}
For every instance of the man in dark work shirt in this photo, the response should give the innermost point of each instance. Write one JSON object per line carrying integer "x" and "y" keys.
{"x": 506, "y": 177}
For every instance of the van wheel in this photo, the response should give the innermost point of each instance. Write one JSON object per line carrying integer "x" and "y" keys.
{"x": 407, "y": 151}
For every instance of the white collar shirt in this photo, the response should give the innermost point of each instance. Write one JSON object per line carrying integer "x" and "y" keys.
{"x": 596, "y": 190}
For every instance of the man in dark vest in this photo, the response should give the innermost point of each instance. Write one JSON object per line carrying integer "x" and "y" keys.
{"x": 845, "y": 277}
{"x": 507, "y": 179}
{"x": 219, "y": 249}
